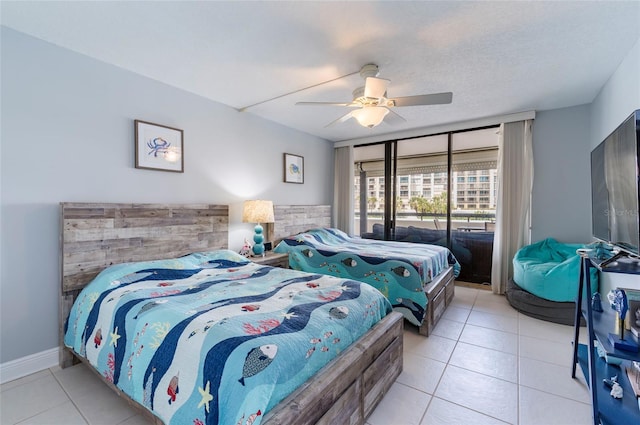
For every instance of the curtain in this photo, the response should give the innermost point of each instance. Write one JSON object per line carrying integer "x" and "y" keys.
{"x": 513, "y": 209}
{"x": 343, "y": 189}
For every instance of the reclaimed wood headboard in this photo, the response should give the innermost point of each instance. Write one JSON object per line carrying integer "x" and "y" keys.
{"x": 293, "y": 219}
{"x": 94, "y": 236}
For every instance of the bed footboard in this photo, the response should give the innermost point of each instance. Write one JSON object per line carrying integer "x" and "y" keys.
{"x": 439, "y": 295}
{"x": 348, "y": 389}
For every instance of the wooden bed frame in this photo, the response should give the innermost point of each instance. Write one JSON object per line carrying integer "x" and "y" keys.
{"x": 293, "y": 219}
{"x": 94, "y": 236}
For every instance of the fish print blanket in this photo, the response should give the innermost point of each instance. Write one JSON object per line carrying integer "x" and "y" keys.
{"x": 399, "y": 270}
{"x": 212, "y": 338}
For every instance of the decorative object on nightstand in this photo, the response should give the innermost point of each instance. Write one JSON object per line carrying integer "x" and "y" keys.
{"x": 258, "y": 212}
{"x": 596, "y": 302}
{"x": 246, "y": 248}
{"x": 621, "y": 305}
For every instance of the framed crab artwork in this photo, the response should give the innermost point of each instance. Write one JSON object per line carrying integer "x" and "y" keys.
{"x": 159, "y": 147}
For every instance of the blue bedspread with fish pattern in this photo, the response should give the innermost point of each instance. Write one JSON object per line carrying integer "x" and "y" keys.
{"x": 397, "y": 269}
{"x": 212, "y": 338}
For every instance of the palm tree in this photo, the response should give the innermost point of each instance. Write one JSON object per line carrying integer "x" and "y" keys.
{"x": 421, "y": 205}
{"x": 439, "y": 204}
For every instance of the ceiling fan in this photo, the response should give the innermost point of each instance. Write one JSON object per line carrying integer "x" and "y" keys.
{"x": 374, "y": 105}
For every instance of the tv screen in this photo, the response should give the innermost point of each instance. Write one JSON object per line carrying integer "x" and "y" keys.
{"x": 614, "y": 187}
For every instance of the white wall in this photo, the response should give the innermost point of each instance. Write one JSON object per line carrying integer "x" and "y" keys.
{"x": 618, "y": 98}
{"x": 562, "y": 143}
{"x": 561, "y": 198}
{"x": 67, "y": 135}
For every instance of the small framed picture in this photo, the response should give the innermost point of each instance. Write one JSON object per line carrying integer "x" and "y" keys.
{"x": 293, "y": 168}
{"x": 159, "y": 147}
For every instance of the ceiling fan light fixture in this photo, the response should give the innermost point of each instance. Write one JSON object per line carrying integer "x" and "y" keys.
{"x": 370, "y": 116}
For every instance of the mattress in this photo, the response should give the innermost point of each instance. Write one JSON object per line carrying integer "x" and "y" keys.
{"x": 212, "y": 338}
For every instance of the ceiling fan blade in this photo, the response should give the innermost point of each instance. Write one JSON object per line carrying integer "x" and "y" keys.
{"x": 375, "y": 87}
{"x": 393, "y": 118}
{"x": 339, "y": 120}
{"x": 325, "y": 103}
{"x": 423, "y": 99}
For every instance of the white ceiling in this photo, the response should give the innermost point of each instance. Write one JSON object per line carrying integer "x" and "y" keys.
{"x": 496, "y": 57}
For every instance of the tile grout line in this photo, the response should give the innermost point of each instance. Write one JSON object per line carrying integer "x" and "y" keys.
{"x": 75, "y": 406}
{"x": 457, "y": 341}
{"x": 31, "y": 382}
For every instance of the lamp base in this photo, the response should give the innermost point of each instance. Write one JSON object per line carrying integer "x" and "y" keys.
{"x": 258, "y": 238}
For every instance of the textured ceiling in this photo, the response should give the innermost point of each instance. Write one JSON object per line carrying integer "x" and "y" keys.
{"x": 496, "y": 57}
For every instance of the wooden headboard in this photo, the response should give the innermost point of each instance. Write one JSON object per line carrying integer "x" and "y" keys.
{"x": 94, "y": 236}
{"x": 293, "y": 219}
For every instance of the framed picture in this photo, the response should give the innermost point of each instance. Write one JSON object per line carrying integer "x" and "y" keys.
{"x": 293, "y": 168}
{"x": 159, "y": 147}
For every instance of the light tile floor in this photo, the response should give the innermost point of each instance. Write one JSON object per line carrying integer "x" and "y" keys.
{"x": 485, "y": 363}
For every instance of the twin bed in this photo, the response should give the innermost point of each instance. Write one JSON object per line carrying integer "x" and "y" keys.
{"x": 418, "y": 279}
{"x": 399, "y": 270}
{"x": 193, "y": 333}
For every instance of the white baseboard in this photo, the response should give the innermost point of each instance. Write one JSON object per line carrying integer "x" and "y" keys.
{"x": 27, "y": 365}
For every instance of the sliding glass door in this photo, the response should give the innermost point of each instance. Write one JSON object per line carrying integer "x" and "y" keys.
{"x": 436, "y": 189}
{"x": 474, "y": 156}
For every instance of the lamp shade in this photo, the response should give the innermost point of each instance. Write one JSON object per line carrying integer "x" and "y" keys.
{"x": 257, "y": 212}
{"x": 370, "y": 116}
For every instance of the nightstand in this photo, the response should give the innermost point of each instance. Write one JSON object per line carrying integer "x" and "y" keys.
{"x": 272, "y": 259}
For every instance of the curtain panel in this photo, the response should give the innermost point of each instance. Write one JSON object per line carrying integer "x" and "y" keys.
{"x": 343, "y": 209}
{"x": 513, "y": 209}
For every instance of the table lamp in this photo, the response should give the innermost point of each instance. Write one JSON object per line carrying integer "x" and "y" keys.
{"x": 258, "y": 212}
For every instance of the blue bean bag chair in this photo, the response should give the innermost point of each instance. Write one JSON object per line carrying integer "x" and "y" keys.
{"x": 550, "y": 270}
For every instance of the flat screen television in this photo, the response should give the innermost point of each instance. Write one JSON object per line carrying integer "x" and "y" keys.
{"x": 615, "y": 194}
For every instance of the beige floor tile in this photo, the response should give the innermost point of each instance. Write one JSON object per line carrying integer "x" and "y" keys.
{"x": 537, "y": 407}
{"x": 79, "y": 380}
{"x": 434, "y": 347}
{"x": 482, "y": 393}
{"x": 442, "y": 412}
{"x": 486, "y": 361}
{"x": 464, "y": 297}
{"x": 420, "y": 373}
{"x": 528, "y": 326}
{"x": 457, "y": 314}
{"x": 497, "y": 322}
{"x": 402, "y": 405}
{"x": 64, "y": 414}
{"x": 102, "y": 406}
{"x": 30, "y": 399}
{"x": 448, "y": 329}
{"x": 25, "y": 380}
{"x": 496, "y": 304}
{"x": 553, "y": 379}
{"x": 545, "y": 350}
{"x": 490, "y": 338}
